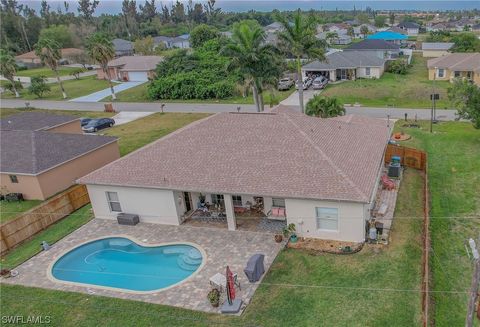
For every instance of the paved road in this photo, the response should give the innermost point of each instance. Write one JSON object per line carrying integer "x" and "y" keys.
{"x": 98, "y": 96}
{"x": 395, "y": 113}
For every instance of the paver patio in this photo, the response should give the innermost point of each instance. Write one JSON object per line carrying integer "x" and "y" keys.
{"x": 222, "y": 248}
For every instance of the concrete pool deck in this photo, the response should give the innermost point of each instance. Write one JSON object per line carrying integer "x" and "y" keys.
{"x": 222, "y": 248}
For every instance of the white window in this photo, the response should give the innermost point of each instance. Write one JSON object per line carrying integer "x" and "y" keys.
{"x": 441, "y": 73}
{"x": 237, "y": 200}
{"x": 218, "y": 199}
{"x": 367, "y": 71}
{"x": 327, "y": 218}
{"x": 113, "y": 202}
{"x": 13, "y": 179}
{"x": 277, "y": 202}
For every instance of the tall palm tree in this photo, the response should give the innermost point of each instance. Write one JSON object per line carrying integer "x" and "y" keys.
{"x": 8, "y": 68}
{"x": 49, "y": 52}
{"x": 255, "y": 60}
{"x": 298, "y": 39}
{"x": 100, "y": 49}
{"x": 324, "y": 107}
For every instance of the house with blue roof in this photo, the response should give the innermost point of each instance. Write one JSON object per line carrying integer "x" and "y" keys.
{"x": 388, "y": 36}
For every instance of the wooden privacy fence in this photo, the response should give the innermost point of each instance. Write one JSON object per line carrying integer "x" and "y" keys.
{"x": 409, "y": 157}
{"x": 29, "y": 223}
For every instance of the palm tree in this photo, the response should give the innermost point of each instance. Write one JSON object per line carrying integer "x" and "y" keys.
{"x": 298, "y": 39}
{"x": 255, "y": 60}
{"x": 331, "y": 36}
{"x": 324, "y": 107}
{"x": 364, "y": 30}
{"x": 8, "y": 68}
{"x": 100, "y": 49}
{"x": 49, "y": 52}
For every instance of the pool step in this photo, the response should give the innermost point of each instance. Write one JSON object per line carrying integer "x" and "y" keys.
{"x": 185, "y": 265}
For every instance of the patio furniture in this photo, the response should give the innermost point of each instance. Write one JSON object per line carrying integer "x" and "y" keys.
{"x": 255, "y": 269}
{"x": 387, "y": 183}
{"x": 231, "y": 308}
{"x": 382, "y": 210}
{"x": 277, "y": 213}
{"x": 14, "y": 197}
{"x": 219, "y": 281}
{"x": 127, "y": 219}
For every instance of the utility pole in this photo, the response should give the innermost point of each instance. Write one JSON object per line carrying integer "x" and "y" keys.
{"x": 475, "y": 283}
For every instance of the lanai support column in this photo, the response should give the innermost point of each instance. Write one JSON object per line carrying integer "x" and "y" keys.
{"x": 231, "y": 220}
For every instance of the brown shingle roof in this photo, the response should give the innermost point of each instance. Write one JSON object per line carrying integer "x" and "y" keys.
{"x": 34, "y": 121}
{"x": 284, "y": 154}
{"x": 136, "y": 63}
{"x": 32, "y": 152}
{"x": 457, "y": 61}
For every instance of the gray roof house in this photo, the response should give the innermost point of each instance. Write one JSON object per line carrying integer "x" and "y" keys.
{"x": 122, "y": 47}
{"x": 436, "y": 49}
{"x": 302, "y": 166}
{"x": 411, "y": 28}
{"x": 40, "y": 121}
{"x": 169, "y": 42}
{"x": 383, "y": 49}
{"x": 347, "y": 65}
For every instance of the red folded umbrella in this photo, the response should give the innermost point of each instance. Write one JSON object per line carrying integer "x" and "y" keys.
{"x": 230, "y": 286}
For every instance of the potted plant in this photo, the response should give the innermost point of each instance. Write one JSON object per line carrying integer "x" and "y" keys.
{"x": 278, "y": 238}
{"x": 214, "y": 297}
{"x": 289, "y": 232}
{"x": 5, "y": 273}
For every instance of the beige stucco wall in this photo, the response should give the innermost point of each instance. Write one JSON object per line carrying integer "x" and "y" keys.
{"x": 351, "y": 219}
{"x": 27, "y": 185}
{"x": 73, "y": 127}
{"x": 152, "y": 205}
{"x": 375, "y": 72}
{"x": 431, "y": 75}
{"x": 434, "y": 53}
{"x": 113, "y": 73}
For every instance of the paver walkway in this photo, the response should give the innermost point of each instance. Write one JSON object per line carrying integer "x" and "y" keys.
{"x": 222, "y": 248}
{"x": 98, "y": 96}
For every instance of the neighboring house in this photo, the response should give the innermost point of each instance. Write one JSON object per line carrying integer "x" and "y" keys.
{"x": 382, "y": 48}
{"x": 455, "y": 65}
{"x": 439, "y": 27}
{"x": 347, "y": 65}
{"x": 122, "y": 47}
{"x": 340, "y": 28}
{"x": 30, "y": 59}
{"x": 340, "y": 39}
{"x": 131, "y": 68}
{"x": 357, "y": 30}
{"x": 410, "y": 27}
{"x": 43, "y": 154}
{"x": 273, "y": 27}
{"x": 436, "y": 49}
{"x": 475, "y": 28}
{"x": 389, "y": 36}
{"x": 181, "y": 42}
{"x": 322, "y": 173}
{"x": 397, "y": 29}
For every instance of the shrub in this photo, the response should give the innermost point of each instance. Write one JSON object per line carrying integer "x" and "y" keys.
{"x": 399, "y": 66}
{"x": 9, "y": 86}
{"x": 39, "y": 86}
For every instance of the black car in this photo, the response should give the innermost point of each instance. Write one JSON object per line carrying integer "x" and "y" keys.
{"x": 84, "y": 121}
{"x": 98, "y": 124}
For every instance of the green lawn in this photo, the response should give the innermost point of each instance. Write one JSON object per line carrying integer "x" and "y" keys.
{"x": 403, "y": 91}
{"x": 74, "y": 88}
{"x": 45, "y": 71}
{"x": 52, "y": 234}
{"x": 326, "y": 285}
{"x": 139, "y": 94}
{"x": 148, "y": 129}
{"x": 5, "y": 112}
{"x": 454, "y": 177}
{"x": 9, "y": 210}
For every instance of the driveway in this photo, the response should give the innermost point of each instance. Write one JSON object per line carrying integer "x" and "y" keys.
{"x": 98, "y": 96}
{"x": 124, "y": 117}
{"x": 292, "y": 100}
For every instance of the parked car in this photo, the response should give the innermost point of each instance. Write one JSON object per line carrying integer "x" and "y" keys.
{"x": 95, "y": 125}
{"x": 320, "y": 82}
{"x": 285, "y": 84}
{"x": 84, "y": 121}
{"x": 306, "y": 84}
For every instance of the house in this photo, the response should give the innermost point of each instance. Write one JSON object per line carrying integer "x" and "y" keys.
{"x": 43, "y": 154}
{"x": 122, "y": 47}
{"x": 347, "y": 65}
{"x": 455, "y": 65}
{"x": 340, "y": 28}
{"x": 389, "y": 36}
{"x": 320, "y": 174}
{"x": 340, "y": 39}
{"x": 475, "y": 28}
{"x": 436, "y": 49}
{"x": 30, "y": 59}
{"x": 397, "y": 29}
{"x": 357, "y": 30}
{"x": 131, "y": 68}
{"x": 439, "y": 27}
{"x": 273, "y": 27}
{"x": 382, "y": 48}
{"x": 167, "y": 42}
{"x": 410, "y": 27}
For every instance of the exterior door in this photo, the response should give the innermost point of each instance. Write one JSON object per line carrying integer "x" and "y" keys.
{"x": 188, "y": 201}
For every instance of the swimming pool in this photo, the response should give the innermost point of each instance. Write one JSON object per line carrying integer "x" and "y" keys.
{"x": 120, "y": 263}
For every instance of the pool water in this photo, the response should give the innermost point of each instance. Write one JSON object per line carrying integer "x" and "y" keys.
{"x": 121, "y": 263}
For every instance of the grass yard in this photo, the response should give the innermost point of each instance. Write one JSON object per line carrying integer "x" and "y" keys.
{"x": 454, "y": 178}
{"x": 46, "y": 71}
{"x": 9, "y": 210}
{"x": 74, "y": 88}
{"x": 52, "y": 234}
{"x": 148, "y": 129}
{"x": 331, "y": 297}
{"x": 139, "y": 94}
{"x": 5, "y": 112}
{"x": 403, "y": 91}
